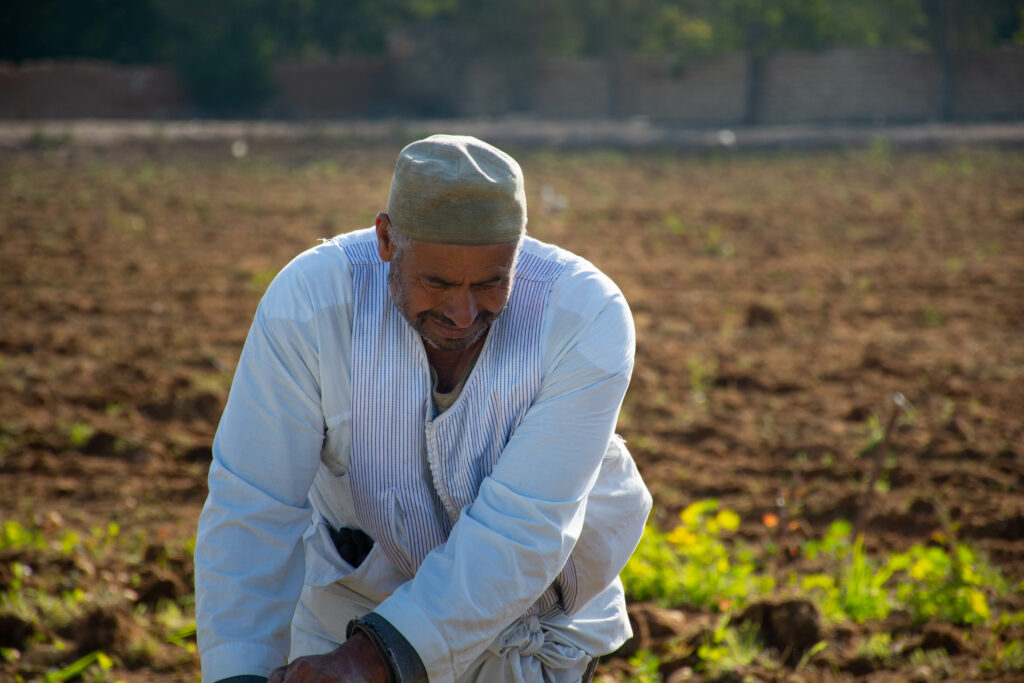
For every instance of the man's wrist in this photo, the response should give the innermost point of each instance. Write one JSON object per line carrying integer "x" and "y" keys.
{"x": 400, "y": 658}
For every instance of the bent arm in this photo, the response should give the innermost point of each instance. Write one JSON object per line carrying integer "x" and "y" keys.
{"x": 249, "y": 563}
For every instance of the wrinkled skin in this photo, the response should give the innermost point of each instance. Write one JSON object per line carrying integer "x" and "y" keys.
{"x": 449, "y": 293}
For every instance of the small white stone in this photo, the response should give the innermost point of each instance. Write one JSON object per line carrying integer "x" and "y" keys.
{"x": 239, "y": 148}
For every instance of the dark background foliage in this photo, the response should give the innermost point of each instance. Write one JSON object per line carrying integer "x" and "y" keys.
{"x": 226, "y": 51}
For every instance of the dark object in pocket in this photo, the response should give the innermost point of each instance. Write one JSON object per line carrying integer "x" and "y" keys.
{"x": 353, "y": 545}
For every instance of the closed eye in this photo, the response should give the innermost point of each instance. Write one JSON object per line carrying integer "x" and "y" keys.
{"x": 438, "y": 283}
{"x": 493, "y": 283}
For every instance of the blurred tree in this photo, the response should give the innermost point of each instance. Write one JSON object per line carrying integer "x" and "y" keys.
{"x": 353, "y": 27}
{"x": 224, "y": 51}
{"x": 119, "y": 30}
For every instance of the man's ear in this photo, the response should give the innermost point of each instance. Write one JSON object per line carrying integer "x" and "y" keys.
{"x": 385, "y": 247}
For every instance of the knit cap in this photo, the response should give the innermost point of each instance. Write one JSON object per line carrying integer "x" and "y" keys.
{"x": 456, "y": 189}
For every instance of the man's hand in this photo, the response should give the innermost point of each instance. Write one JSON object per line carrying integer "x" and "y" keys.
{"x": 355, "y": 661}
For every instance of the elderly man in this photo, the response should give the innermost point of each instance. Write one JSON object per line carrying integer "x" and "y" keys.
{"x": 416, "y": 475}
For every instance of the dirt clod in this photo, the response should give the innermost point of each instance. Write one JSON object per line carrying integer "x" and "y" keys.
{"x": 792, "y": 627}
{"x": 100, "y": 629}
{"x": 759, "y": 315}
{"x": 158, "y": 584}
{"x": 942, "y": 637}
{"x": 14, "y": 631}
{"x": 101, "y": 443}
{"x": 652, "y": 625}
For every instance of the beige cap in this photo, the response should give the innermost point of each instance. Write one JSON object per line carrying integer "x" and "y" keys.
{"x": 456, "y": 189}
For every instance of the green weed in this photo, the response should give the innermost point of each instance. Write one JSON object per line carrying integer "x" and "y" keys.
{"x": 935, "y": 664}
{"x": 14, "y": 535}
{"x": 855, "y": 589}
{"x": 79, "y": 433}
{"x": 1009, "y": 658}
{"x": 874, "y": 434}
{"x": 674, "y": 224}
{"x": 260, "y": 280}
{"x": 645, "y": 667}
{"x": 39, "y": 606}
{"x": 702, "y": 373}
{"x": 932, "y": 317}
{"x": 809, "y": 655}
{"x": 948, "y": 586}
{"x": 862, "y": 589}
{"x": 879, "y": 154}
{"x": 96, "y": 663}
{"x": 179, "y": 628}
{"x": 931, "y": 582}
{"x": 693, "y": 566}
{"x": 728, "y": 648}
{"x": 713, "y": 243}
{"x": 877, "y": 648}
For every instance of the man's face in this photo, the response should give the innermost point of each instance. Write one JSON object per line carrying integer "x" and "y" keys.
{"x": 451, "y": 293}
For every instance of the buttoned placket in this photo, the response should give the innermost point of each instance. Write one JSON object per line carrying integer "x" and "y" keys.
{"x": 437, "y": 473}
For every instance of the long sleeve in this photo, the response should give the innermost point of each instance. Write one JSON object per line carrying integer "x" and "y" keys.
{"x": 511, "y": 542}
{"x": 249, "y": 562}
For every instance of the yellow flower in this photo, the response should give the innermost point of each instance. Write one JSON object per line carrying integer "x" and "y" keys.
{"x": 694, "y": 511}
{"x": 921, "y": 568}
{"x": 728, "y": 520}
{"x": 682, "y": 536}
{"x": 979, "y": 604}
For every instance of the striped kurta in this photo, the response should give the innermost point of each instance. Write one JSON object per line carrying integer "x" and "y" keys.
{"x": 415, "y": 472}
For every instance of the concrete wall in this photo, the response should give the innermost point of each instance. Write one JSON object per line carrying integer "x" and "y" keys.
{"x": 989, "y": 85}
{"x": 322, "y": 89}
{"x": 833, "y": 86}
{"x": 571, "y": 88}
{"x": 703, "y": 93}
{"x": 851, "y": 86}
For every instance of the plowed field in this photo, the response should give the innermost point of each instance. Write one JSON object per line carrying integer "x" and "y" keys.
{"x": 780, "y": 301}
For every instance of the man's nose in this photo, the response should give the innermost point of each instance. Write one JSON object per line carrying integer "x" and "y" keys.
{"x": 461, "y": 308}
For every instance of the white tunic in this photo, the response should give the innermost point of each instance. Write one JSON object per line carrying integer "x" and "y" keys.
{"x": 559, "y": 498}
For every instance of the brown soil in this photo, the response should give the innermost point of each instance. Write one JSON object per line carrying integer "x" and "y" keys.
{"x": 779, "y": 301}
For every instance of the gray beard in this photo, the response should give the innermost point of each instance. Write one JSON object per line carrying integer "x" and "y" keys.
{"x": 419, "y": 322}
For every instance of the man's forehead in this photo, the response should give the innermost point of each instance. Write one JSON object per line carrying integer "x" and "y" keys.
{"x": 459, "y": 259}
